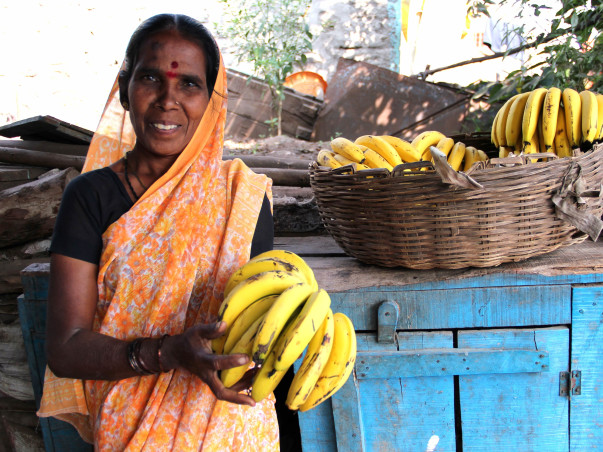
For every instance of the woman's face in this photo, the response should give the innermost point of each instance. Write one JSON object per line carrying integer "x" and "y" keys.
{"x": 167, "y": 93}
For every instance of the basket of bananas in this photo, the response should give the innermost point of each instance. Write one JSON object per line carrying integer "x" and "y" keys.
{"x": 439, "y": 202}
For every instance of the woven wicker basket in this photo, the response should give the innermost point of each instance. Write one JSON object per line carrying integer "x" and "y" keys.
{"x": 413, "y": 219}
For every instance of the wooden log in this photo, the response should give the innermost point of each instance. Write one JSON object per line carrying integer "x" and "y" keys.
{"x": 13, "y": 346}
{"x": 265, "y": 161}
{"x": 15, "y": 380}
{"x": 9, "y": 311}
{"x": 10, "y": 273}
{"x": 37, "y": 248}
{"x": 39, "y": 158}
{"x": 13, "y": 175}
{"x": 286, "y": 177}
{"x": 23, "y": 438}
{"x": 47, "y": 146}
{"x": 28, "y": 211}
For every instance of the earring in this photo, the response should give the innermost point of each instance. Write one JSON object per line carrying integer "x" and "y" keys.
{"x": 125, "y": 105}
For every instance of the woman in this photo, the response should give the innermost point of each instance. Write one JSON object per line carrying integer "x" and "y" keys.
{"x": 141, "y": 253}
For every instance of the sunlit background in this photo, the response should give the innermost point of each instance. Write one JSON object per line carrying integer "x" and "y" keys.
{"x": 60, "y": 57}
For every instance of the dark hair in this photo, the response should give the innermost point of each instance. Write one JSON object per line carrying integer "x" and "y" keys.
{"x": 188, "y": 28}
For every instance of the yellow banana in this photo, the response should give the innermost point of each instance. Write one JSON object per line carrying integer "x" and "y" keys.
{"x": 573, "y": 109}
{"x": 493, "y": 136}
{"x": 590, "y": 115}
{"x": 348, "y": 149}
{"x": 266, "y": 380}
{"x": 445, "y": 145}
{"x": 425, "y": 139}
{"x": 501, "y": 125}
{"x": 550, "y": 111}
{"x": 375, "y": 160}
{"x": 244, "y": 321}
{"x": 259, "y": 266}
{"x": 600, "y": 116}
{"x": 292, "y": 258}
{"x": 515, "y": 119}
{"x": 345, "y": 161}
{"x": 531, "y": 113}
{"x": 277, "y": 317}
{"x": 471, "y": 156}
{"x": 244, "y": 345}
{"x": 563, "y": 148}
{"x": 255, "y": 287}
{"x": 405, "y": 150}
{"x": 303, "y": 328}
{"x": 314, "y": 361}
{"x": 381, "y": 146}
{"x": 482, "y": 155}
{"x": 504, "y": 151}
{"x": 456, "y": 156}
{"x": 326, "y": 158}
{"x": 532, "y": 146}
{"x": 340, "y": 364}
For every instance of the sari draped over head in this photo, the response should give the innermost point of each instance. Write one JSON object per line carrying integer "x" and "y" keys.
{"x": 163, "y": 268}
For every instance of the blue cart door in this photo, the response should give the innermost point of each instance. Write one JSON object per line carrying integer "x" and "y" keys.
{"x": 388, "y": 403}
{"x": 507, "y": 410}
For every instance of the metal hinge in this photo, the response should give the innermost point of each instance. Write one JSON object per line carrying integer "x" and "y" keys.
{"x": 570, "y": 383}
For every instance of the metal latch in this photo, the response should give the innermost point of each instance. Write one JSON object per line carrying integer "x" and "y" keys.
{"x": 387, "y": 321}
{"x": 570, "y": 383}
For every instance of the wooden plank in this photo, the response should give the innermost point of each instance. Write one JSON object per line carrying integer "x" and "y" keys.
{"x": 587, "y": 336}
{"x": 349, "y": 431}
{"x": 35, "y": 278}
{"x": 46, "y": 127}
{"x": 10, "y": 278}
{"x": 464, "y": 308}
{"x": 437, "y": 362}
{"x": 354, "y": 103}
{"x": 320, "y": 246}
{"x": 335, "y": 272}
{"x": 249, "y": 107}
{"x": 502, "y": 412}
{"x": 32, "y": 314}
{"x": 47, "y": 146}
{"x": 266, "y": 161}
{"x": 40, "y": 158}
{"x": 317, "y": 428}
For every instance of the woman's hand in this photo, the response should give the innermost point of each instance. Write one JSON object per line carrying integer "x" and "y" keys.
{"x": 192, "y": 351}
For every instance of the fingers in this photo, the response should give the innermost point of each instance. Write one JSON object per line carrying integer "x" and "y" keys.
{"x": 221, "y": 362}
{"x": 245, "y": 382}
{"x": 211, "y": 330}
{"x": 231, "y": 394}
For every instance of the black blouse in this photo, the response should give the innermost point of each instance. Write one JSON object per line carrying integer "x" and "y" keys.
{"x": 96, "y": 199}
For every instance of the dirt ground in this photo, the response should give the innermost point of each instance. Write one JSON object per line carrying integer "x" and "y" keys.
{"x": 279, "y": 146}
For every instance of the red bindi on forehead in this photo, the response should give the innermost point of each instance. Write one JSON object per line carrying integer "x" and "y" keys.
{"x": 171, "y": 74}
{"x": 174, "y": 64}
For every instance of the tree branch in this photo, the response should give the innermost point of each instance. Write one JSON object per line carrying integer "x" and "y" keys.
{"x": 591, "y": 22}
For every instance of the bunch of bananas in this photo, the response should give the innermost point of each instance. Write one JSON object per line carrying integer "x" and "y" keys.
{"x": 548, "y": 120}
{"x": 275, "y": 310}
{"x": 385, "y": 151}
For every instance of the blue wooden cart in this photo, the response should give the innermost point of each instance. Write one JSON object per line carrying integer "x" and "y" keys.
{"x": 499, "y": 359}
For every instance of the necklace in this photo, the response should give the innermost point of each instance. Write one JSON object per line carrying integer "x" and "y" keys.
{"x": 135, "y": 175}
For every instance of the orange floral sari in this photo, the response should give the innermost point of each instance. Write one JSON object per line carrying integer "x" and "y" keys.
{"x": 163, "y": 269}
